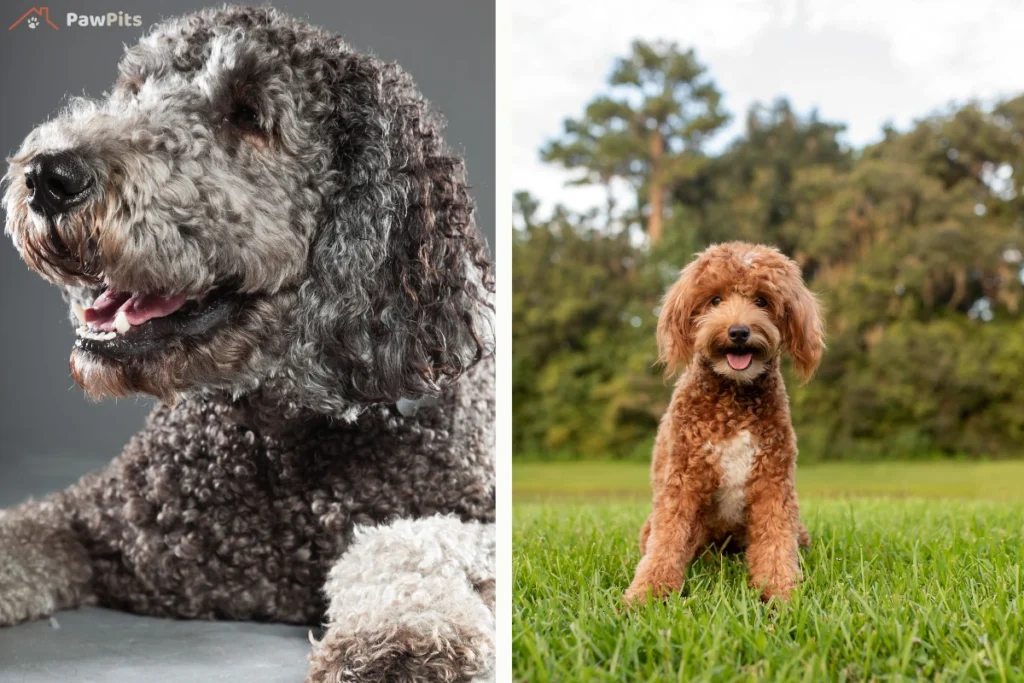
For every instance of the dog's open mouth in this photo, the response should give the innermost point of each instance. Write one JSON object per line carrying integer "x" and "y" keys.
{"x": 739, "y": 358}
{"x": 122, "y": 324}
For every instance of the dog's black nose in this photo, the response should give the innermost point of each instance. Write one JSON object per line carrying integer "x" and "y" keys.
{"x": 57, "y": 183}
{"x": 738, "y": 334}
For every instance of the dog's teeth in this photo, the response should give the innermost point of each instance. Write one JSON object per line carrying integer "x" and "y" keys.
{"x": 79, "y": 312}
{"x": 95, "y": 335}
{"x": 121, "y": 323}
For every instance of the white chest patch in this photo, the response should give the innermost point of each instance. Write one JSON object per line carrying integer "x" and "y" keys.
{"x": 735, "y": 458}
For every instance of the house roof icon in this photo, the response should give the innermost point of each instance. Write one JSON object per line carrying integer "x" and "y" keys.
{"x": 43, "y": 12}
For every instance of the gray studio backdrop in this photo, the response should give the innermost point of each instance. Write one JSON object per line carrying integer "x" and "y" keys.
{"x": 49, "y": 433}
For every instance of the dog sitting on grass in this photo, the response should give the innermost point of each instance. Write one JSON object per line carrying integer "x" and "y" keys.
{"x": 725, "y": 456}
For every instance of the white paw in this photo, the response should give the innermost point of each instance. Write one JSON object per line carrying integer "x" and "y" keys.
{"x": 409, "y": 602}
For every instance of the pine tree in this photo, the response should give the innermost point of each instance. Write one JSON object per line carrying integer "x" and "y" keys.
{"x": 649, "y": 129}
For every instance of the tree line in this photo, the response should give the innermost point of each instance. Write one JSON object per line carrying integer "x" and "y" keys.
{"x": 914, "y": 244}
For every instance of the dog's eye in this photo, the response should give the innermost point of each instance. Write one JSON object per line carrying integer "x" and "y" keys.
{"x": 716, "y": 300}
{"x": 760, "y": 302}
{"x": 245, "y": 118}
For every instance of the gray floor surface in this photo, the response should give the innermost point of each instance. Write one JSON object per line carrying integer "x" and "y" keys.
{"x": 103, "y": 646}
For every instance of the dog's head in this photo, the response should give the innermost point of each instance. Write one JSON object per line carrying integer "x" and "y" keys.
{"x": 738, "y": 306}
{"x": 255, "y": 204}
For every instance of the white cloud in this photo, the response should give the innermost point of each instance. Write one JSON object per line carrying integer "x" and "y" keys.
{"x": 862, "y": 63}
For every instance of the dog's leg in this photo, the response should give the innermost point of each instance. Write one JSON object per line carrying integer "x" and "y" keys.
{"x": 803, "y": 537}
{"x": 659, "y": 460}
{"x": 413, "y": 601}
{"x": 43, "y": 566}
{"x": 675, "y": 532}
{"x": 645, "y": 533}
{"x": 771, "y": 526}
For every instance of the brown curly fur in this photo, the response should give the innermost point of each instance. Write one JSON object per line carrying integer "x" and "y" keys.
{"x": 725, "y": 456}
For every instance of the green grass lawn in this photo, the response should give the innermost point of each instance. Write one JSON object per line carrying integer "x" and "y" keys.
{"x": 899, "y": 588}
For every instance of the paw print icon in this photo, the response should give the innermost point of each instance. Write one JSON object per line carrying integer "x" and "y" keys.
{"x": 34, "y": 18}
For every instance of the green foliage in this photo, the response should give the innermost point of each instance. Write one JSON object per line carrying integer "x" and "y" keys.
{"x": 914, "y": 245}
{"x": 582, "y": 376}
{"x": 892, "y": 590}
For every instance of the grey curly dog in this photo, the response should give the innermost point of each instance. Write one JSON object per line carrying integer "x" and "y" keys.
{"x": 263, "y": 228}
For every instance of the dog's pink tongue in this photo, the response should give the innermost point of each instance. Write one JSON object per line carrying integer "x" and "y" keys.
{"x": 138, "y": 308}
{"x": 739, "y": 361}
{"x": 105, "y": 306}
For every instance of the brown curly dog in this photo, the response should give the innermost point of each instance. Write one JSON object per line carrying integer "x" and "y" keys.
{"x": 725, "y": 455}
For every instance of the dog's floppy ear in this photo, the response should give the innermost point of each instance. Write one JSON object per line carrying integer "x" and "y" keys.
{"x": 400, "y": 274}
{"x": 675, "y": 324}
{"x": 803, "y": 328}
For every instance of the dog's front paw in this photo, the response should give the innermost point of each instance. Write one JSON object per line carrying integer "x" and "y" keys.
{"x": 41, "y": 570}
{"x": 779, "y": 592}
{"x": 776, "y": 586}
{"x": 399, "y": 655}
{"x": 638, "y": 593}
{"x": 20, "y": 601}
{"x": 654, "y": 582}
{"x": 411, "y": 601}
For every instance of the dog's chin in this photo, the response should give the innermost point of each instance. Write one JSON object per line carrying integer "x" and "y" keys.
{"x": 104, "y": 378}
{"x": 741, "y": 366}
{"x": 166, "y": 376}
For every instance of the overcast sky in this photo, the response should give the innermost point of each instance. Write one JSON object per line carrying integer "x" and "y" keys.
{"x": 860, "y": 62}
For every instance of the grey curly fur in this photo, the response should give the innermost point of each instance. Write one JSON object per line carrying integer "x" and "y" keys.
{"x": 345, "y": 229}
